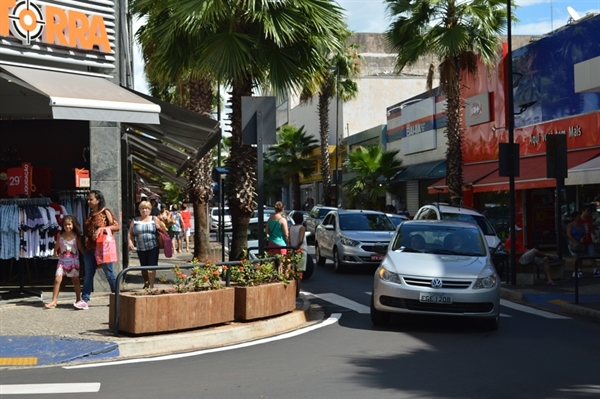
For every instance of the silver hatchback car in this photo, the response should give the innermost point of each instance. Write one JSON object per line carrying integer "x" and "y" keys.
{"x": 350, "y": 237}
{"x": 437, "y": 268}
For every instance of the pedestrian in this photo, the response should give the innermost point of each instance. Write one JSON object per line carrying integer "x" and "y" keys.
{"x": 155, "y": 211}
{"x": 142, "y": 238}
{"x": 175, "y": 229}
{"x": 277, "y": 230}
{"x": 527, "y": 256}
{"x": 590, "y": 235}
{"x": 403, "y": 211}
{"x": 298, "y": 239}
{"x": 68, "y": 248}
{"x": 186, "y": 218}
{"x": 165, "y": 217}
{"x": 100, "y": 216}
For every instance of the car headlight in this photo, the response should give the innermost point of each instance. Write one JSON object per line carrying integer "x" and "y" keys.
{"x": 486, "y": 282}
{"x": 349, "y": 242}
{"x": 387, "y": 275}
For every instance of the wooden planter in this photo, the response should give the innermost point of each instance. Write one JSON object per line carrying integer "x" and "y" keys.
{"x": 264, "y": 300}
{"x": 144, "y": 314}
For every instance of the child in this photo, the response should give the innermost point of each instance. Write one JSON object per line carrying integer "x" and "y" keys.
{"x": 68, "y": 248}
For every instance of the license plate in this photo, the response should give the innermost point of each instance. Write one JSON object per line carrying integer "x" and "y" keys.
{"x": 376, "y": 257}
{"x": 435, "y": 298}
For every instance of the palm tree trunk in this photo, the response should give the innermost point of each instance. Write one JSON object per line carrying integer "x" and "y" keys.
{"x": 241, "y": 176}
{"x": 296, "y": 191}
{"x": 454, "y": 178}
{"x": 324, "y": 133}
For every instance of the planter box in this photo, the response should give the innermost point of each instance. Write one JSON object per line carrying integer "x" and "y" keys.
{"x": 144, "y": 314}
{"x": 264, "y": 300}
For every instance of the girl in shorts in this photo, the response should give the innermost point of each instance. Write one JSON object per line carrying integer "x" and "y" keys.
{"x": 68, "y": 248}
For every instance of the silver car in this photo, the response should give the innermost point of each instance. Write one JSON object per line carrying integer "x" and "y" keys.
{"x": 349, "y": 237}
{"x": 437, "y": 268}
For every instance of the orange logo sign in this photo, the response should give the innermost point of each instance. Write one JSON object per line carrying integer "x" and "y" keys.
{"x": 30, "y": 22}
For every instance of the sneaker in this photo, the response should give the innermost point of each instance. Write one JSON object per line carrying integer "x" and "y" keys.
{"x": 579, "y": 274}
{"x": 81, "y": 305}
{"x": 596, "y": 273}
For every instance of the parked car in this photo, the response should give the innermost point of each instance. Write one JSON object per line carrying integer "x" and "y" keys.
{"x": 349, "y": 237}
{"x": 253, "y": 247}
{"x": 442, "y": 211}
{"x": 315, "y": 217}
{"x": 426, "y": 272}
{"x": 214, "y": 219}
{"x": 397, "y": 219}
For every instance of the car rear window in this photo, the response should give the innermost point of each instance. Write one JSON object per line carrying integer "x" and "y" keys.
{"x": 478, "y": 220}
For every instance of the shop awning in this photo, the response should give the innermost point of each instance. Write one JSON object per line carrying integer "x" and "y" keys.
{"x": 156, "y": 151}
{"x": 422, "y": 171}
{"x": 157, "y": 169}
{"x": 532, "y": 173}
{"x": 471, "y": 174}
{"x": 182, "y": 128}
{"x": 586, "y": 173}
{"x": 29, "y": 93}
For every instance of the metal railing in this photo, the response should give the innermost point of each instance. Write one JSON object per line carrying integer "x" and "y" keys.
{"x": 577, "y": 267}
{"x": 123, "y": 272}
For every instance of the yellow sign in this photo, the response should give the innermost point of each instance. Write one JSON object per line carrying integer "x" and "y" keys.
{"x": 32, "y": 22}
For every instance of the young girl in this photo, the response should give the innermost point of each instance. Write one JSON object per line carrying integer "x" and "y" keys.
{"x": 68, "y": 248}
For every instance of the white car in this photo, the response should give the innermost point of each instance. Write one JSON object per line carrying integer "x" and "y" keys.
{"x": 438, "y": 268}
{"x": 214, "y": 219}
{"x": 442, "y": 211}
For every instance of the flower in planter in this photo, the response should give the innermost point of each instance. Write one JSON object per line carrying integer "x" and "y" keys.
{"x": 249, "y": 273}
{"x": 200, "y": 278}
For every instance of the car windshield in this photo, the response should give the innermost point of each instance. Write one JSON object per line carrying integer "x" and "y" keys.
{"x": 439, "y": 239}
{"x": 365, "y": 222}
{"x": 477, "y": 220}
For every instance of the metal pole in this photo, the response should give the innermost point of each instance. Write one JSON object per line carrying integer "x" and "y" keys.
{"x": 337, "y": 135}
{"x": 511, "y": 140}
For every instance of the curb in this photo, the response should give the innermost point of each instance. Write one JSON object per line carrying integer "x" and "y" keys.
{"x": 563, "y": 308}
{"x": 231, "y": 334}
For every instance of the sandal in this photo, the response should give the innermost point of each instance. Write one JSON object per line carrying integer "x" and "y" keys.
{"x": 48, "y": 306}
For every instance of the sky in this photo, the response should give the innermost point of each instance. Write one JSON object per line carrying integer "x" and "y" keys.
{"x": 536, "y": 17}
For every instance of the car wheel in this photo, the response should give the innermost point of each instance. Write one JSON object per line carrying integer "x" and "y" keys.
{"x": 320, "y": 260}
{"x": 310, "y": 268}
{"x": 492, "y": 323}
{"x": 337, "y": 264}
{"x": 378, "y": 317}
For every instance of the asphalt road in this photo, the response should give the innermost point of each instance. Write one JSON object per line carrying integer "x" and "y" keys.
{"x": 534, "y": 355}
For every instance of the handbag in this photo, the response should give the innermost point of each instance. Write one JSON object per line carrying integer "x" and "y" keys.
{"x": 161, "y": 241}
{"x": 576, "y": 247}
{"x": 167, "y": 244}
{"x": 106, "y": 247}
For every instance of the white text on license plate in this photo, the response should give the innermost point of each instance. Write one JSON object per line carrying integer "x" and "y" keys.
{"x": 435, "y": 298}
{"x": 376, "y": 257}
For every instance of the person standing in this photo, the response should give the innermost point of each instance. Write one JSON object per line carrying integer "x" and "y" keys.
{"x": 154, "y": 211}
{"x": 175, "y": 229}
{"x": 68, "y": 248}
{"x": 298, "y": 239}
{"x": 142, "y": 238}
{"x": 590, "y": 235}
{"x": 277, "y": 229}
{"x": 403, "y": 211}
{"x": 99, "y": 217}
{"x": 186, "y": 217}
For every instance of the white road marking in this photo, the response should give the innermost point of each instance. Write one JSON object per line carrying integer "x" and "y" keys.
{"x": 527, "y": 309}
{"x": 32, "y": 389}
{"x": 334, "y": 318}
{"x": 341, "y": 301}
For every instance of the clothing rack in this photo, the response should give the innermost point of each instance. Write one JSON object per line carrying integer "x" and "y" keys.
{"x": 23, "y": 292}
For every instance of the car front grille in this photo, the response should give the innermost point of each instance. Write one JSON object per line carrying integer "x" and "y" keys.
{"x": 370, "y": 246}
{"x": 446, "y": 284}
{"x": 457, "y": 307}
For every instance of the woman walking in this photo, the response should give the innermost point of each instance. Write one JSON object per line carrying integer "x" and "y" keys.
{"x": 142, "y": 237}
{"x": 99, "y": 218}
{"x": 277, "y": 229}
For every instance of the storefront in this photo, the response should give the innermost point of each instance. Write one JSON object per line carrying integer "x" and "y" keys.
{"x": 68, "y": 124}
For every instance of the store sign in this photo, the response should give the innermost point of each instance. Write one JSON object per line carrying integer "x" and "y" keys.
{"x": 477, "y": 109}
{"x": 19, "y": 180}
{"x": 32, "y": 21}
{"x": 82, "y": 178}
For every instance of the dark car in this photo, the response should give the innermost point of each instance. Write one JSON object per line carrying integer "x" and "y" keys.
{"x": 315, "y": 217}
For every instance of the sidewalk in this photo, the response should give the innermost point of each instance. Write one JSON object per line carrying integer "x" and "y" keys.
{"x": 31, "y": 335}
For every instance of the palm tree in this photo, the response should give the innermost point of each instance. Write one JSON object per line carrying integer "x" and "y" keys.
{"x": 247, "y": 44}
{"x": 373, "y": 168}
{"x": 291, "y": 155}
{"x": 193, "y": 93}
{"x": 457, "y": 32}
{"x": 334, "y": 80}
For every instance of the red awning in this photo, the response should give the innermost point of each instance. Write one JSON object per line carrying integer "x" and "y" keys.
{"x": 471, "y": 174}
{"x": 532, "y": 173}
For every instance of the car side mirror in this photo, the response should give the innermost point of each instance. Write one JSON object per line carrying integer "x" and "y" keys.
{"x": 328, "y": 227}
